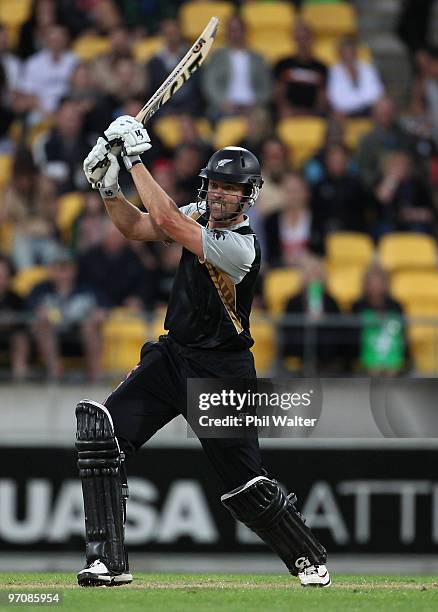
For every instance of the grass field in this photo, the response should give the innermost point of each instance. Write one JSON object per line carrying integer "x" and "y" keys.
{"x": 230, "y": 593}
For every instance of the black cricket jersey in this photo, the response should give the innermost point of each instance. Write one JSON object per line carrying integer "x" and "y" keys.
{"x": 210, "y": 302}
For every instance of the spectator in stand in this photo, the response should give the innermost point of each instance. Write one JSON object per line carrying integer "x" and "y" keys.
{"x": 424, "y": 101}
{"x": 30, "y": 206}
{"x": 287, "y": 231}
{"x": 11, "y": 66}
{"x": 187, "y": 161}
{"x": 47, "y": 73}
{"x": 60, "y": 152}
{"x": 67, "y": 319}
{"x": 33, "y": 32}
{"x": 163, "y": 172}
{"x": 413, "y": 24}
{"x": 404, "y": 201}
{"x": 103, "y": 66}
{"x": 275, "y": 164}
{"x": 13, "y": 337}
{"x": 112, "y": 268}
{"x": 7, "y": 116}
{"x": 89, "y": 227}
{"x": 353, "y": 85}
{"x": 259, "y": 129}
{"x": 381, "y": 346}
{"x": 300, "y": 80}
{"x": 95, "y": 105}
{"x": 190, "y": 135}
{"x": 105, "y": 15}
{"x": 314, "y": 169}
{"x": 156, "y": 293}
{"x": 339, "y": 201}
{"x": 316, "y": 343}
{"x": 188, "y": 99}
{"x": 236, "y": 79}
{"x": 128, "y": 82}
{"x": 385, "y": 136}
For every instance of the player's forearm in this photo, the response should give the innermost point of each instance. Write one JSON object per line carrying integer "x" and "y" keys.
{"x": 155, "y": 199}
{"x": 125, "y": 216}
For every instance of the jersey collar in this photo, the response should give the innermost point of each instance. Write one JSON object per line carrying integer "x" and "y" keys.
{"x": 235, "y": 226}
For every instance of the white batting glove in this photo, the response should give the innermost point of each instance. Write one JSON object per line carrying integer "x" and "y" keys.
{"x": 109, "y": 185}
{"x": 102, "y": 169}
{"x": 129, "y": 133}
{"x": 96, "y": 163}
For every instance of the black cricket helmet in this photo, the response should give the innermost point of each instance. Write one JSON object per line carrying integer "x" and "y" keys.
{"x": 231, "y": 165}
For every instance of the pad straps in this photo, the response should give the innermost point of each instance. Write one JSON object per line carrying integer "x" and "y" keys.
{"x": 265, "y": 509}
{"x": 104, "y": 486}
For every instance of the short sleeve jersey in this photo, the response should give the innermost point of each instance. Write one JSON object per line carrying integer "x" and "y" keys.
{"x": 211, "y": 299}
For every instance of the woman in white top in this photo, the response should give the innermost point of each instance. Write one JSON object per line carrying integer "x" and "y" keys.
{"x": 353, "y": 86}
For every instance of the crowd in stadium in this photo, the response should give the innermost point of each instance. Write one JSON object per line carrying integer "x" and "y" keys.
{"x": 336, "y": 155}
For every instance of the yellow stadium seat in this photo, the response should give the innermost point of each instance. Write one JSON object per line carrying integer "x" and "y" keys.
{"x": 25, "y": 280}
{"x": 123, "y": 336}
{"x": 272, "y": 46}
{"x": 88, "y": 47}
{"x": 274, "y": 17}
{"x": 423, "y": 336}
{"x": 345, "y": 285}
{"x": 5, "y": 169}
{"x": 14, "y": 12}
{"x": 6, "y": 233}
{"x": 326, "y": 50}
{"x": 348, "y": 248}
{"x": 264, "y": 349}
{"x": 407, "y": 251}
{"x": 354, "y": 130}
{"x": 415, "y": 286}
{"x": 13, "y": 35}
{"x": 229, "y": 131}
{"x": 15, "y": 130}
{"x": 169, "y": 130}
{"x": 280, "y": 284}
{"x": 38, "y": 129}
{"x": 270, "y": 16}
{"x": 330, "y": 19}
{"x": 195, "y": 15}
{"x": 157, "y": 327}
{"x": 70, "y": 206}
{"x": 145, "y": 48}
{"x": 303, "y": 137}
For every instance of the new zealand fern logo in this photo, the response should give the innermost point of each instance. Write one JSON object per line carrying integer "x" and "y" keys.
{"x": 222, "y": 162}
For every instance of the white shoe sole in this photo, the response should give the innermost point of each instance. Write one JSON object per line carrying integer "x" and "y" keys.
{"x": 89, "y": 579}
{"x": 317, "y": 584}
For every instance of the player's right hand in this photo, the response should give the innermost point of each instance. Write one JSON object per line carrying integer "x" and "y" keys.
{"x": 130, "y": 133}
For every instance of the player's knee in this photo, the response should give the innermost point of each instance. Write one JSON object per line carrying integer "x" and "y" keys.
{"x": 97, "y": 421}
{"x": 94, "y": 421}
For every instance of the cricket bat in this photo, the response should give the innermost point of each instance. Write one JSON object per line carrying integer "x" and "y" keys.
{"x": 189, "y": 64}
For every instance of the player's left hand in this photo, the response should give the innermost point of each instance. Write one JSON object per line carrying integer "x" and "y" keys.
{"x": 97, "y": 163}
{"x": 129, "y": 133}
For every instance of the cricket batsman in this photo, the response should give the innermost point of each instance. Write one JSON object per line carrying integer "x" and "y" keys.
{"x": 208, "y": 336}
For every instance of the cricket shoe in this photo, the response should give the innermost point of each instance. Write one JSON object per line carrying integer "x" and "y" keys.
{"x": 315, "y": 576}
{"x": 97, "y": 574}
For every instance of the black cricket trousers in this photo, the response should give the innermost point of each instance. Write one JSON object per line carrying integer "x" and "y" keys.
{"x": 155, "y": 392}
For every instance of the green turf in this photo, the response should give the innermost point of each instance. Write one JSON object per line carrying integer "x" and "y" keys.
{"x": 232, "y": 593}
